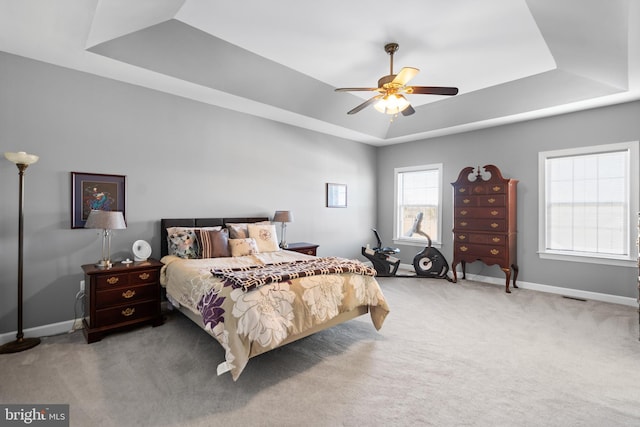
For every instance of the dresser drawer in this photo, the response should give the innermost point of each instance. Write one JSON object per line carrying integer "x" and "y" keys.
{"x": 482, "y": 239}
{"x": 488, "y": 212}
{"x": 126, "y": 295}
{"x": 492, "y": 200}
{"x": 126, "y": 313}
{"x": 479, "y": 224}
{"x": 481, "y": 251}
{"x": 489, "y": 189}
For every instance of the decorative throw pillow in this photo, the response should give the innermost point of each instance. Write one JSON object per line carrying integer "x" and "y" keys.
{"x": 240, "y": 230}
{"x": 184, "y": 244}
{"x": 265, "y": 236}
{"x": 242, "y": 247}
{"x": 213, "y": 243}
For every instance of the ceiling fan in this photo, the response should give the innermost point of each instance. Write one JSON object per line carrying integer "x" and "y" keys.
{"x": 392, "y": 88}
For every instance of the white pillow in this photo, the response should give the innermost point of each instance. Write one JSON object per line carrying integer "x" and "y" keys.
{"x": 265, "y": 236}
{"x": 242, "y": 247}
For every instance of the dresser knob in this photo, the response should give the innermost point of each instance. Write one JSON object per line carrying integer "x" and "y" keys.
{"x": 113, "y": 280}
{"x": 128, "y": 294}
{"x": 128, "y": 312}
{"x": 144, "y": 276}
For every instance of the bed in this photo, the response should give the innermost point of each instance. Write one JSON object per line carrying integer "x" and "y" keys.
{"x": 253, "y": 297}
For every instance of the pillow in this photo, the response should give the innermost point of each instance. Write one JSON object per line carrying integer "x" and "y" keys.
{"x": 184, "y": 244}
{"x": 171, "y": 230}
{"x": 242, "y": 247}
{"x": 265, "y": 236}
{"x": 213, "y": 243}
{"x": 239, "y": 230}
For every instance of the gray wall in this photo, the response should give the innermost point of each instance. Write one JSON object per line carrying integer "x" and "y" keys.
{"x": 514, "y": 149}
{"x": 181, "y": 158}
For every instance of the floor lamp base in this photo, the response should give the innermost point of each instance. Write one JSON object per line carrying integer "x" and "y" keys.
{"x": 19, "y": 345}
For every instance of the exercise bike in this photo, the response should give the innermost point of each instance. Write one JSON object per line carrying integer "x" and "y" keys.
{"x": 429, "y": 262}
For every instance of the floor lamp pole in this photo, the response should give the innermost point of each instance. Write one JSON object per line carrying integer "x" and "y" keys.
{"x": 21, "y": 343}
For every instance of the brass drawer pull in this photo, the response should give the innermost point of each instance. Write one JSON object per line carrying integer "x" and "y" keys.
{"x": 494, "y": 252}
{"x": 462, "y": 237}
{"x": 463, "y": 212}
{"x": 144, "y": 276}
{"x": 464, "y": 248}
{"x": 494, "y": 213}
{"x": 464, "y": 224}
{"x": 113, "y": 280}
{"x": 128, "y": 294}
{"x": 496, "y": 188}
{"x": 491, "y": 200}
{"x": 466, "y": 201}
{"x": 128, "y": 312}
{"x": 496, "y": 239}
{"x": 462, "y": 190}
{"x": 494, "y": 225}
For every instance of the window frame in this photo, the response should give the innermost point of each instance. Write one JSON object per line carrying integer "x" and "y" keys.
{"x": 628, "y": 260}
{"x": 436, "y": 241}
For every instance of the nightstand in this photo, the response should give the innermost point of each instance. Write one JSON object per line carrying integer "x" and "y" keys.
{"x": 303, "y": 248}
{"x": 122, "y": 296}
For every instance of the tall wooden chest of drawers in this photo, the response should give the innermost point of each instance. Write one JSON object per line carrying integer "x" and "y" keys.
{"x": 484, "y": 221}
{"x": 122, "y": 296}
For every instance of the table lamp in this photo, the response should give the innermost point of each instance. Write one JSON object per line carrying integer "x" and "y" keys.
{"x": 107, "y": 221}
{"x": 283, "y": 217}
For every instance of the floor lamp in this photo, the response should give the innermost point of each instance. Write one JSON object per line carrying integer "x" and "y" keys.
{"x": 22, "y": 160}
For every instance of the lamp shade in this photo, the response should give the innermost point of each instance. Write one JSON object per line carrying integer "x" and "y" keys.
{"x": 21, "y": 158}
{"x": 105, "y": 220}
{"x": 283, "y": 216}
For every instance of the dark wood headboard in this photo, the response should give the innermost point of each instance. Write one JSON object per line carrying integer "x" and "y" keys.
{"x": 197, "y": 222}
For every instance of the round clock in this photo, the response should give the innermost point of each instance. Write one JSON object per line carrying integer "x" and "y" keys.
{"x": 141, "y": 250}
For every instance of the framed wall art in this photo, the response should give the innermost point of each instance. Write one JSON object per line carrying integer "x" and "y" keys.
{"x": 95, "y": 191}
{"x": 336, "y": 195}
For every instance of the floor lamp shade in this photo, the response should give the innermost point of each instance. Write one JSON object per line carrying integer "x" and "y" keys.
{"x": 22, "y": 161}
{"x": 106, "y": 221}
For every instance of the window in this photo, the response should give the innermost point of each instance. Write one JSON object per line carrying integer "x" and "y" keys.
{"x": 588, "y": 203}
{"x": 418, "y": 195}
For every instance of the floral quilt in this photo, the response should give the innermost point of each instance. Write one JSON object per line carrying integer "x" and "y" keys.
{"x": 247, "y": 322}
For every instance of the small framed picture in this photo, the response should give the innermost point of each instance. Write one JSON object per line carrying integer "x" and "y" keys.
{"x": 336, "y": 195}
{"x": 97, "y": 191}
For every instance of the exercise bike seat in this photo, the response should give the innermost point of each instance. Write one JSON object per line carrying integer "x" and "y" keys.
{"x": 386, "y": 250}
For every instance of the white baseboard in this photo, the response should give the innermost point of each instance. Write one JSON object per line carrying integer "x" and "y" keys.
{"x": 67, "y": 326}
{"x": 40, "y": 331}
{"x": 574, "y": 293}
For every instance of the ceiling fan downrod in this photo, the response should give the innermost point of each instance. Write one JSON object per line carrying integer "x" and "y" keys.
{"x": 391, "y": 48}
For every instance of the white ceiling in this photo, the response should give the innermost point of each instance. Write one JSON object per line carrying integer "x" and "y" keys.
{"x": 511, "y": 59}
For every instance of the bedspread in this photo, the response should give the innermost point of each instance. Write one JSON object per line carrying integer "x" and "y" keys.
{"x": 247, "y": 323}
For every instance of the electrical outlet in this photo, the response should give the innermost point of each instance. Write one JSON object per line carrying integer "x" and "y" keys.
{"x": 81, "y": 285}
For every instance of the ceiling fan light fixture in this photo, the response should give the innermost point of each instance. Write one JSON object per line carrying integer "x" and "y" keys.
{"x": 391, "y": 104}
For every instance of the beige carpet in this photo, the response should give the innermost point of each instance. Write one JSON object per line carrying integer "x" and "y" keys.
{"x": 463, "y": 354}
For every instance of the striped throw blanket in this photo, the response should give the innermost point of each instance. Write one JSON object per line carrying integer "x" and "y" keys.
{"x": 249, "y": 278}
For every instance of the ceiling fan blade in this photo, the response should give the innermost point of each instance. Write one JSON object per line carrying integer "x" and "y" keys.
{"x": 408, "y": 111}
{"x": 431, "y": 90}
{"x": 406, "y": 74}
{"x": 365, "y": 104}
{"x": 355, "y": 89}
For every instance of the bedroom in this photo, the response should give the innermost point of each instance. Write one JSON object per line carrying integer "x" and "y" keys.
{"x": 186, "y": 157}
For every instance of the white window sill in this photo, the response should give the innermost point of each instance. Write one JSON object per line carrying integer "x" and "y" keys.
{"x": 417, "y": 243}
{"x": 617, "y": 261}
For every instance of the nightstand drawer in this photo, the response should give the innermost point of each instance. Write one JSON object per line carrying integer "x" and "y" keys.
{"x": 108, "y": 281}
{"x": 126, "y": 313}
{"x": 126, "y": 295}
{"x": 144, "y": 276}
